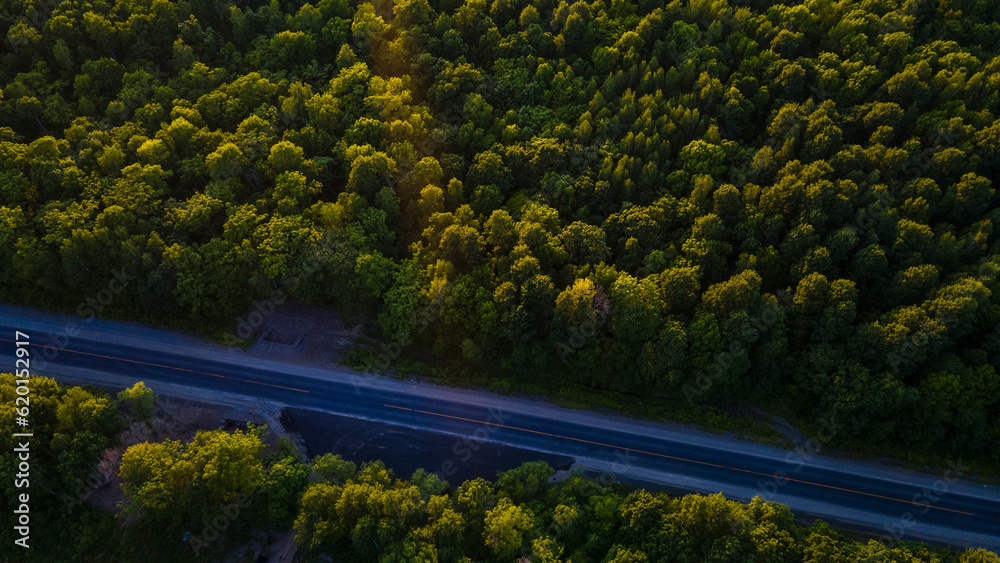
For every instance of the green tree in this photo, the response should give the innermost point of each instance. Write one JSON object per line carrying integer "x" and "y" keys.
{"x": 978, "y": 556}
{"x": 225, "y": 162}
{"x": 505, "y": 527}
{"x": 139, "y": 399}
{"x": 700, "y": 157}
{"x": 283, "y": 486}
{"x": 525, "y": 483}
{"x": 585, "y": 243}
{"x": 168, "y": 480}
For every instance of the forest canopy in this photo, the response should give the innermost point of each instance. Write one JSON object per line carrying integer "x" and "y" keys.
{"x": 729, "y": 201}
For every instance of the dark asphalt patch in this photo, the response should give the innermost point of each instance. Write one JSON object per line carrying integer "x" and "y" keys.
{"x": 405, "y": 450}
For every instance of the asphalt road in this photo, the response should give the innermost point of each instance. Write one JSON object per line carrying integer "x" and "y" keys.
{"x": 894, "y": 504}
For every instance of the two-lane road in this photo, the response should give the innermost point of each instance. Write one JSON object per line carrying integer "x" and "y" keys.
{"x": 892, "y": 503}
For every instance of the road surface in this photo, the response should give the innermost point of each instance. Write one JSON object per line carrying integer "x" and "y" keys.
{"x": 891, "y": 503}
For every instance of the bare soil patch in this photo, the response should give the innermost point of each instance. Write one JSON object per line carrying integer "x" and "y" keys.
{"x": 305, "y": 335}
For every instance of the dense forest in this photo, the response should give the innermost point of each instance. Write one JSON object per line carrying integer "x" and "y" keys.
{"x": 695, "y": 202}
{"x": 219, "y": 492}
